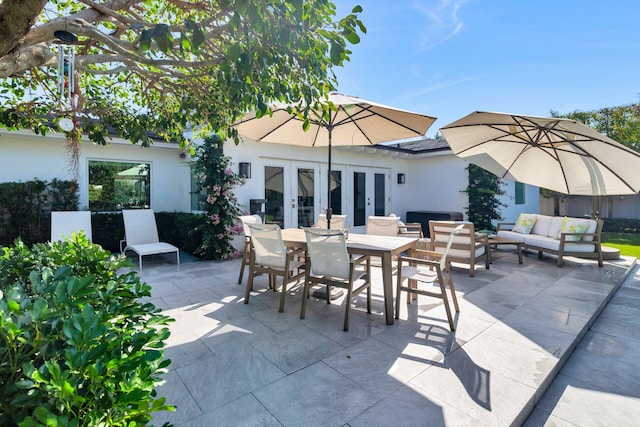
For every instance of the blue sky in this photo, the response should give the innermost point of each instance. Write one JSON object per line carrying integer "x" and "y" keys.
{"x": 447, "y": 58}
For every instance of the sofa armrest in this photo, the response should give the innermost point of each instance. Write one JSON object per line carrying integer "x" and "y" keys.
{"x": 505, "y": 226}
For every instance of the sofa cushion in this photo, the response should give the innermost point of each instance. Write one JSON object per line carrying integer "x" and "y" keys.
{"x": 554, "y": 227}
{"x": 525, "y": 223}
{"x": 541, "y": 227}
{"x": 512, "y": 235}
{"x": 572, "y": 225}
{"x": 544, "y": 242}
{"x": 593, "y": 225}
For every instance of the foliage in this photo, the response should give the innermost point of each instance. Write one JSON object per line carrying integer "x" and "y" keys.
{"x": 221, "y": 208}
{"x": 160, "y": 65}
{"x": 627, "y": 243}
{"x": 25, "y": 208}
{"x": 78, "y": 347}
{"x": 484, "y": 191}
{"x": 620, "y": 123}
{"x": 621, "y": 225}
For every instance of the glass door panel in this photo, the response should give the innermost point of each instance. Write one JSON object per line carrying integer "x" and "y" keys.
{"x": 359, "y": 198}
{"x": 336, "y": 192}
{"x": 274, "y": 193}
{"x": 306, "y": 197}
{"x": 379, "y": 199}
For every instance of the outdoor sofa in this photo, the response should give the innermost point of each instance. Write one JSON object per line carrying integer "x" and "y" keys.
{"x": 557, "y": 235}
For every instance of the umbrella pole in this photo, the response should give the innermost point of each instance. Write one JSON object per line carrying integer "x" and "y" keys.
{"x": 329, "y": 210}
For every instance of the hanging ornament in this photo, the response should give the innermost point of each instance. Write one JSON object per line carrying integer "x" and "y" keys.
{"x": 66, "y": 60}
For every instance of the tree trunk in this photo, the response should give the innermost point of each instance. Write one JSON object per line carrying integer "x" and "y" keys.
{"x": 16, "y": 18}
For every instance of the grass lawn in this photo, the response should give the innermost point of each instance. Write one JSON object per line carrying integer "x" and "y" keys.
{"x": 627, "y": 243}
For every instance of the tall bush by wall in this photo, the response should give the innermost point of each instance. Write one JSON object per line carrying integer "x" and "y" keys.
{"x": 484, "y": 193}
{"x": 25, "y": 208}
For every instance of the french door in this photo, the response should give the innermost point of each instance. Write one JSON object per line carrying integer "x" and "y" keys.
{"x": 370, "y": 194}
{"x": 292, "y": 191}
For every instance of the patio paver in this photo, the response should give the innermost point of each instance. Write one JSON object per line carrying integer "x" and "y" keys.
{"x": 237, "y": 364}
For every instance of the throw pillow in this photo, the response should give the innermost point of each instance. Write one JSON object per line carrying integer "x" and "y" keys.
{"x": 525, "y": 223}
{"x": 572, "y": 225}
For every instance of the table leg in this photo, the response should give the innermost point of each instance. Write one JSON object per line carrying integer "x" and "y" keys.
{"x": 387, "y": 284}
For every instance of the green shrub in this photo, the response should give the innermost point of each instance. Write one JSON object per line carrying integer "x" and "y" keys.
{"x": 25, "y": 208}
{"x": 77, "y": 345}
{"x": 621, "y": 225}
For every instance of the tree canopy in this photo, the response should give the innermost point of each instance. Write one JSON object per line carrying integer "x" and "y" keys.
{"x": 161, "y": 65}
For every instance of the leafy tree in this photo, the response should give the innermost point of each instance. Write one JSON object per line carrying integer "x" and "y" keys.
{"x": 484, "y": 203}
{"x": 160, "y": 65}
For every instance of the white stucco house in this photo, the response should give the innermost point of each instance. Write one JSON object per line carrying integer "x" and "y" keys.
{"x": 377, "y": 180}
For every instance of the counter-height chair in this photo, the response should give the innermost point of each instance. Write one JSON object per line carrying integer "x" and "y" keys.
{"x": 428, "y": 273}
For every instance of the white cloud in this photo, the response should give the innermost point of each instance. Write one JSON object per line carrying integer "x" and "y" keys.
{"x": 442, "y": 21}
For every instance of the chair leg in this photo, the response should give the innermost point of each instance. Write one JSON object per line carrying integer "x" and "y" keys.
{"x": 140, "y": 261}
{"x": 398, "y": 291}
{"x": 243, "y": 265}
{"x": 247, "y": 292}
{"x": 446, "y": 306}
{"x": 305, "y": 295}
{"x": 284, "y": 292}
{"x": 348, "y": 307}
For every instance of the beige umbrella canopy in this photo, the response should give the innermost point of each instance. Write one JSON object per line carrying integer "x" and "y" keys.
{"x": 562, "y": 155}
{"x": 354, "y": 121}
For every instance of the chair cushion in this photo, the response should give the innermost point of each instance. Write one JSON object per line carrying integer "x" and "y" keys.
{"x": 525, "y": 223}
{"x": 152, "y": 248}
{"x": 541, "y": 227}
{"x": 572, "y": 225}
{"x": 554, "y": 227}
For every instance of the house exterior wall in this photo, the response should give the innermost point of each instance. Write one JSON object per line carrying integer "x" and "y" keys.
{"x": 432, "y": 183}
{"x": 435, "y": 183}
{"x": 25, "y": 156}
{"x": 512, "y": 210}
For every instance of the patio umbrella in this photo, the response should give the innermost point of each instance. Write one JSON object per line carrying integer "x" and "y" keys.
{"x": 354, "y": 122}
{"x": 562, "y": 155}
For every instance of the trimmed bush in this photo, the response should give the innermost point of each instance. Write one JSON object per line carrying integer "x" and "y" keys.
{"x": 621, "y": 225}
{"x": 78, "y": 347}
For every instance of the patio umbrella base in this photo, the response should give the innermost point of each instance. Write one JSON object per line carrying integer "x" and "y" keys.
{"x": 322, "y": 293}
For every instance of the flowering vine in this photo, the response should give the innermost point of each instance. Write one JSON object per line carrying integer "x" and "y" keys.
{"x": 219, "y": 204}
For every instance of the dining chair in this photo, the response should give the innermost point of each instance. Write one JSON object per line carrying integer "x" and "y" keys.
{"x": 246, "y": 253}
{"x": 383, "y": 225}
{"x": 269, "y": 255}
{"x": 329, "y": 264}
{"x": 430, "y": 268}
{"x": 338, "y": 222}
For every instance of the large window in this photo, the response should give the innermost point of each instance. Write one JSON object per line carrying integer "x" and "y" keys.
{"x": 115, "y": 186}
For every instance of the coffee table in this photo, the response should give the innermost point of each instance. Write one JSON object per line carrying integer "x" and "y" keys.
{"x": 496, "y": 241}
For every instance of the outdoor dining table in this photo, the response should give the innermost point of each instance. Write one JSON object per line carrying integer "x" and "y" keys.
{"x": 385, "y": 247}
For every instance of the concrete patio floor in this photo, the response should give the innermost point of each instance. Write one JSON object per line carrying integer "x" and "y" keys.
{"x": 248, "y": 365}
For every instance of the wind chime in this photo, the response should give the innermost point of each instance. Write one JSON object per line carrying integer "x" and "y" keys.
{"x": 66, "y": 73}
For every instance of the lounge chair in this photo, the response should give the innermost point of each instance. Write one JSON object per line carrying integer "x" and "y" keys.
{"x": 468, "y": 246}
{"x": 65, "y": 223}
{"x": 141, "y": 235}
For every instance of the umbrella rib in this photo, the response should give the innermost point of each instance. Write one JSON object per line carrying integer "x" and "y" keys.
{"x": 354, "y": 118}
